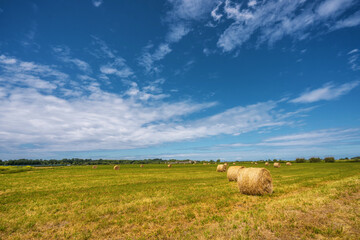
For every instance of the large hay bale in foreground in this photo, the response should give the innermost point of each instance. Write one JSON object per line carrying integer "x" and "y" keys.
{"x": 267, "y": 164}
{"x": 116, "y": 167}
{"x": 254, "y": 181}
{"x": 169, "y": 165}
{"x": 277, "y": 165}
{"x": 221, "y": 168}
{"x": 288, "y": 164}
{"x": 94, "y": 167}
{"x": 232, "y": 172}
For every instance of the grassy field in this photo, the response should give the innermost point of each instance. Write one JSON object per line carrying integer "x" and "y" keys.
{"x": 310, "y": 200}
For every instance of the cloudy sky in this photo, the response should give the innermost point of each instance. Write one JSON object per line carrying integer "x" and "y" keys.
{"x": 197, "y": 79}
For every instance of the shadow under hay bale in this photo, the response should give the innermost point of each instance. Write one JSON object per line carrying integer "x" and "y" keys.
{"x": 116, "y": 167}
{"x": 277, "y": 165}
{"x": 232, "y": 172}
{"x": 221, "y": 168}
{"x": 254, "y": 181}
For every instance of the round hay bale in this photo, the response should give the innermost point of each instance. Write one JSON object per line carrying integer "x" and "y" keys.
{"x": 141, "y": 165}
{"x": 226, "y": 164}
{"x": 277, "y": 165}
{"x": 266, "y": 163}
{"x": 288, "y": 164}
{"x": 234, "y": 163}
{"x": 255, "y": 163}
{"x": 208, "y": 163}
{"x": 94, "y": 167}
{"x": 221, "y": 168}
{"x": 169, "y": 165}
{"x": 204, "y": 163}
{"x": 116, "y": 167}
{"x": 254, "y": 181}
{"x": 232, "y": 172}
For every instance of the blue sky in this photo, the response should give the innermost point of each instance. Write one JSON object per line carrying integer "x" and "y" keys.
{"x": 199, "y": 79}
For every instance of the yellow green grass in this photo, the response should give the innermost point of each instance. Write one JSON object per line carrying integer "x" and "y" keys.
{"x": 310, "y": 200}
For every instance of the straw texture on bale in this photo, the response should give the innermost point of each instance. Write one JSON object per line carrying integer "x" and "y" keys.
{"x": 116, "y": 167}
{"x": 221, "y": 168}
{"x": 267, "y": 164}
{"x": 232, "y": 172}
{"x": 254, "y": 181}
{"x": 288, "y": 164}
{"x": 94, "y": 167}
{"x": 169, "y": 165}
{"x": 277, "y": 165}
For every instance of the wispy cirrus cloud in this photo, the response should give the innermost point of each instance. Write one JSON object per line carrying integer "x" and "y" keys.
{"x": 269, "y": 22}
{"x": 97, "y": 3}
{"x": 178, "y": 19}
{"x": 354, "y": 59}
{"x": 328, "y": 92}
{"x": 63, "y": 54}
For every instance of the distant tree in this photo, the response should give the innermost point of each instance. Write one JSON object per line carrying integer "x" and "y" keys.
{"x": 212, "y": 161}
{"x": 218, "y": 161}
{"x": 314, "y": 160}
{"x": 329, "y": 159}
{"x": 300, "y": 160}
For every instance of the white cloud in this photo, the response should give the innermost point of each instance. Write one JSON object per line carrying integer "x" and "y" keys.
{"x": 333, "y": 7}
{"x": 327, "y": 92}
{"x": 118, "y": 68}
{"x": 216, "y": 16}
{"x": 63, "y": 54}
{"x": 147, "y": 60}
{"x": 94, "y": 119}
{"x": 354, "y": 59}
{"x": 97, "y": 3}
{"x": 351, "y": 21}
{"x": 270, "y": 21}
{"x": 177, "y": 32}
{"x": 179, "y": 20}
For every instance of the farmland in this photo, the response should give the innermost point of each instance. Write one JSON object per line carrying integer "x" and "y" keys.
{"x": 310, "y": 200}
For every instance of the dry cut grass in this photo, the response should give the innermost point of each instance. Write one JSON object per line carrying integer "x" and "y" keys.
{"x": 310, "y": 201}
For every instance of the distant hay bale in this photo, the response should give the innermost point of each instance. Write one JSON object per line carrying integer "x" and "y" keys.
{"x": 141, "y": 165}
{"x": 267, "y": 164}
{"x": 234, "y": 163}
{"x": 116, "y": 167}
{"x": 169, "y": 165}
{"x": 208, "y": 163}
{"x": 255, "y": 163}
{"x": 277, "y": 165}
{"x": 94, "y": 167}
{"x": 221, "y": 168}
{"x": 204, "y": 163}
{"x": 254, "y": 181}
{"x": 226, "y": 164}
{"x": 288, "y": 164}
{"x": 232, "y": 172}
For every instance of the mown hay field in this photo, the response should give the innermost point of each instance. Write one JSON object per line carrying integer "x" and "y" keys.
{"x": 310, "y": 200}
